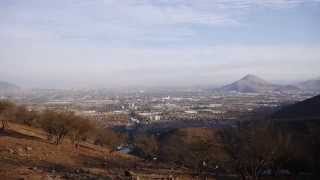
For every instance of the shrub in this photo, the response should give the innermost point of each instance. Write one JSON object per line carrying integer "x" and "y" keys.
{"x": 253, "y": 148}
{"x": 80, "y": 130}
{"x": 110, "y": 138}
{"x": 146, "y": 146}
{"x": 196, "y": 148}
{"x": 23, "y": 115}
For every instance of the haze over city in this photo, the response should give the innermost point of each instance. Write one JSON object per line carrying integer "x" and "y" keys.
{"x": 108, "y": 43}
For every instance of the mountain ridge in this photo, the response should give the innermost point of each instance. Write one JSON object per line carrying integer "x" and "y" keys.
{"x": 254, "y": 84}
{"x": 6, "y": 86}
{"x": 310, "y": 85}
{"x": 309, "y": 108}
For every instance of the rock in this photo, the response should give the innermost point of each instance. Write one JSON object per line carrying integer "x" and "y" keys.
{"x": 20, "y": 150}
{"x": 21, "y": 154}
{"x": 29, "y": 148}
{"x": 50, "y": 178}
{"x": 11, "y": 151}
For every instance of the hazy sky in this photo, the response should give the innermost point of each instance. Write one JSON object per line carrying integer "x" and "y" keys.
{"x": 106, "y": 43}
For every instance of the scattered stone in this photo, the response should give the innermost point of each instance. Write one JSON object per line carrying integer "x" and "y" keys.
{"x": 11, "y": 151}
{"x": 20, "y": 150}
{"x": 49, "y": 177}
{"x": 29, "y": 148}
{"x": 22, "y": 154}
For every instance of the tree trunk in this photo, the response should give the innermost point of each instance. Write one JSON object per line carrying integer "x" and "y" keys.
{"x": 243, "y": 176}
{"x": 3, "y": 126}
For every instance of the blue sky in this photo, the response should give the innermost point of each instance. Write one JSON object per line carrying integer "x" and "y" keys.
{"x": 99, "y": 43}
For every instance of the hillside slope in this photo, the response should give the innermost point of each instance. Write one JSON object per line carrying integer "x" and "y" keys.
{"x": 310, "y": 85}
{"x": 26, "y": 154}
{"x": 309, "y": 108}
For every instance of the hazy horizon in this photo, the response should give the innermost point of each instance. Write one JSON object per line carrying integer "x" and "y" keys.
{"x": 109, "y": 43}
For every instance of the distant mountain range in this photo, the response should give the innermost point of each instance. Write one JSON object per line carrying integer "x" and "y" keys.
{"x": 7, "y": 87}
{"x": 310, "y": 85}
{"x": 253, "y": 84}
{"x": 248, "y": 84}
{"x": 309, "y": 108}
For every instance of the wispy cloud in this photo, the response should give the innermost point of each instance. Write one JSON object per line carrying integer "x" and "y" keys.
{"x": 125, "y": 20}
{"x": 163, "y": 39}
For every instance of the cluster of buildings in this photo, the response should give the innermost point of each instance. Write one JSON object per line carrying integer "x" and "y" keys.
{"x": 143, "y": 107}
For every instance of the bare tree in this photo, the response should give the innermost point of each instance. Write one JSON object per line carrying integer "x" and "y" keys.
{"x": 6, "y": 113}
{"x": 79, "y": 130}
{"x": 110, "y": 138}
{"x": 56, "y": 124}
{"x": 23, "y": 115}
{"x": 314, "y": 136}
{"x": 252, "y": 149}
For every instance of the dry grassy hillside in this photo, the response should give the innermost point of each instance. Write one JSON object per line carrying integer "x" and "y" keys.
{"x": 26, "y": 154}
